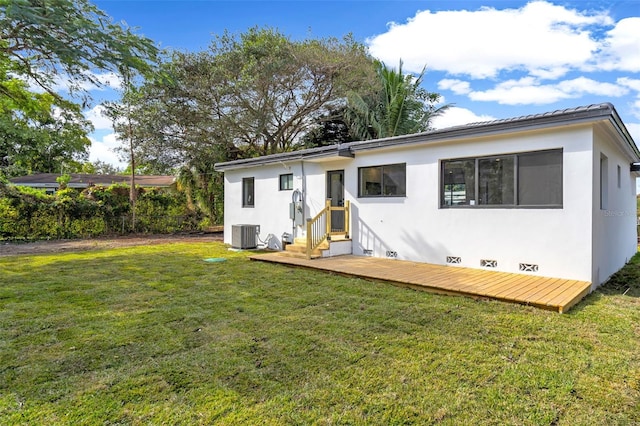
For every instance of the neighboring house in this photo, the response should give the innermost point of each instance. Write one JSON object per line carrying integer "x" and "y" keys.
{"x": 48, "y": 181}
{"x": 550, "y": 194}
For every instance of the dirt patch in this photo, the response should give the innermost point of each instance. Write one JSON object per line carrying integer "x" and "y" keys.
{"x": 59, "y": 246}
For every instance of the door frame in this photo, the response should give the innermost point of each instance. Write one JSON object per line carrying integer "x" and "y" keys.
{"x": 328, "y": 185}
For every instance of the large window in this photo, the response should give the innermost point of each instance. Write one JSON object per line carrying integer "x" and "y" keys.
{"x": 248, "y": 192}
{"x": 532, "y": 179}
{"x": 382, "y": 181}
{"x": 286, "y": 182}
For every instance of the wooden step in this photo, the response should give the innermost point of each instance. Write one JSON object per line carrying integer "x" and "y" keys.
{"x": 298, "y": 255}
{"x": 300, "y": 249}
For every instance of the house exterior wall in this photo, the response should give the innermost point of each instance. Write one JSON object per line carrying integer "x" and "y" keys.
{"x": 271, "y": 205}
{"x": 615, "y": 218}
{"x": 416, "y": 228}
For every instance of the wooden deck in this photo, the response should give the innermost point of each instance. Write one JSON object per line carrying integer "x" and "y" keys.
{"x": 543, "y": 292}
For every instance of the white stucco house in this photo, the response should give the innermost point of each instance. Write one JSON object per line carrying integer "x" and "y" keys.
{"x": 550, "y": 194}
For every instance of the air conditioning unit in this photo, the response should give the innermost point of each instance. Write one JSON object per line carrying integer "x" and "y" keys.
{"x": 244, "y": 236}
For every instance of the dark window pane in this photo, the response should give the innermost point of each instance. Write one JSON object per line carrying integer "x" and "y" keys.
{"x": 383, "y": 181}
{"x": 370, "y": 181}
{"x": 495, "y": 186}
{"x": 394, "y": 180}
{"x": 540, "y": 179}
{"x": 286, "y": 182}
{"x": 458, "y": 182}
{"x": 247, "y": 192}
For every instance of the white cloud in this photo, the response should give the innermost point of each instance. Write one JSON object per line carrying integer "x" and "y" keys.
{"x": 634, "y": 131}
{"x": 529, "y": 90}
{"x": 103, "y": 150}
{"x": 458, "y": 87}
{"x": 108, "y": 80}
{"x": 545, "y": 39}
{"x": 97, "y": 118}
{"x": 631, "y": 83}
{"x": 455, "y": 116}
{"x": 621, "y": 48}
{"x": 582, "y": 85}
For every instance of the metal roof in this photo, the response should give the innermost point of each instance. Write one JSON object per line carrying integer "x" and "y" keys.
{"x": 583, "y": 114}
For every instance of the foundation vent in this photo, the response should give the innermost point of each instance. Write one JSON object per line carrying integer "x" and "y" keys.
{"x": 528, "y": 267}
{"x": 454, "y": 259}
{"x": 488, "y": 263}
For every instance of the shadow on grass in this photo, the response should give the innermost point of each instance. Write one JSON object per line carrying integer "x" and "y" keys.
{"x": 624, "y": 282}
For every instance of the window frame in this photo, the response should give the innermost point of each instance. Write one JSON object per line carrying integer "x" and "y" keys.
{"x": 252, "y": 202}
{"x": 289, "y": 181}
{"x": 474, "y": 202}
{"x": 362, "y": 169}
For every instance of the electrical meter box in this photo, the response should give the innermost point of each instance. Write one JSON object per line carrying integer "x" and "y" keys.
{"x": 295, "y": 213}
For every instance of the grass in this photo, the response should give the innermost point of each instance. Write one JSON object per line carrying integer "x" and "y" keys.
{"x": 155, "y": 335}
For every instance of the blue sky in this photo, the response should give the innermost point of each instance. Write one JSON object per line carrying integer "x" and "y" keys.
{"x": 489, "y": 58}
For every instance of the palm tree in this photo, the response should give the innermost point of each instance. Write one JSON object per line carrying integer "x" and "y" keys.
{"x": 399, "y": 106}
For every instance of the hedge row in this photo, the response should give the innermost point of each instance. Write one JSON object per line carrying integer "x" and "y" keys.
{"x": 30, "y": 214}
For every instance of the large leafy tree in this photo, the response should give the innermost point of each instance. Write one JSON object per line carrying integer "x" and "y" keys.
{"x": 39, "y": 132}
{"x": 46, "y": 44}
{"x": 250, "y": 94}
{"x": 397, "y": 105}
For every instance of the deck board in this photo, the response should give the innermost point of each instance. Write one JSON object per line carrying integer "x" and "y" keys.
{"x": 543, "y": 292}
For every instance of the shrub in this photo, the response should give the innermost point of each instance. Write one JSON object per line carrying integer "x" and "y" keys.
{"x": 28, "y": 213}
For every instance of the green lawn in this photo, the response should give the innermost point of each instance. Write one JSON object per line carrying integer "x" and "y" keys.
{"x": 155, "y": 335}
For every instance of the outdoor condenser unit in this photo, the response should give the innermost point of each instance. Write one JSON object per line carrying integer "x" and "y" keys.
{"x": 244, "y": 236}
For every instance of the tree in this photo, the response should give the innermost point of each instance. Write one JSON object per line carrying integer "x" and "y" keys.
{"x": 251, "y": 94}
{"x": 39, "y": 132}
{"x": 99, "y": 167}
{"x": 331, "y": 129}
{"x": 45, "y": 43}
{"x": 399, "y": 106}
{"x": 48, "y": 41}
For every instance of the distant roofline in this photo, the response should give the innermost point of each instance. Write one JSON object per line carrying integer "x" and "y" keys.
{"x": 583, "y": 114}
{"x": 82, "y": 180}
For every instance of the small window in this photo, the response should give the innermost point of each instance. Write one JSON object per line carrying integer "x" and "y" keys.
{"x": 604, "y": 182}
{"x": 382, "y": 181}
{"x": 286, "y": 182}
{"x": 248, "y": 192}
{"x": 619, "y": 177}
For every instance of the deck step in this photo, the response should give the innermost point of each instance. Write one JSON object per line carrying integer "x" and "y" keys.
{"x": 299, "y": 247}
{"x": 298, "y": 255}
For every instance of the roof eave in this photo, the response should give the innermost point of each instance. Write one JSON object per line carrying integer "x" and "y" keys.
{"x": 338, "y": 151}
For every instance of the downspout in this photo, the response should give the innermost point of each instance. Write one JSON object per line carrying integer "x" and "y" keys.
{"x": 304, "y": 190}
